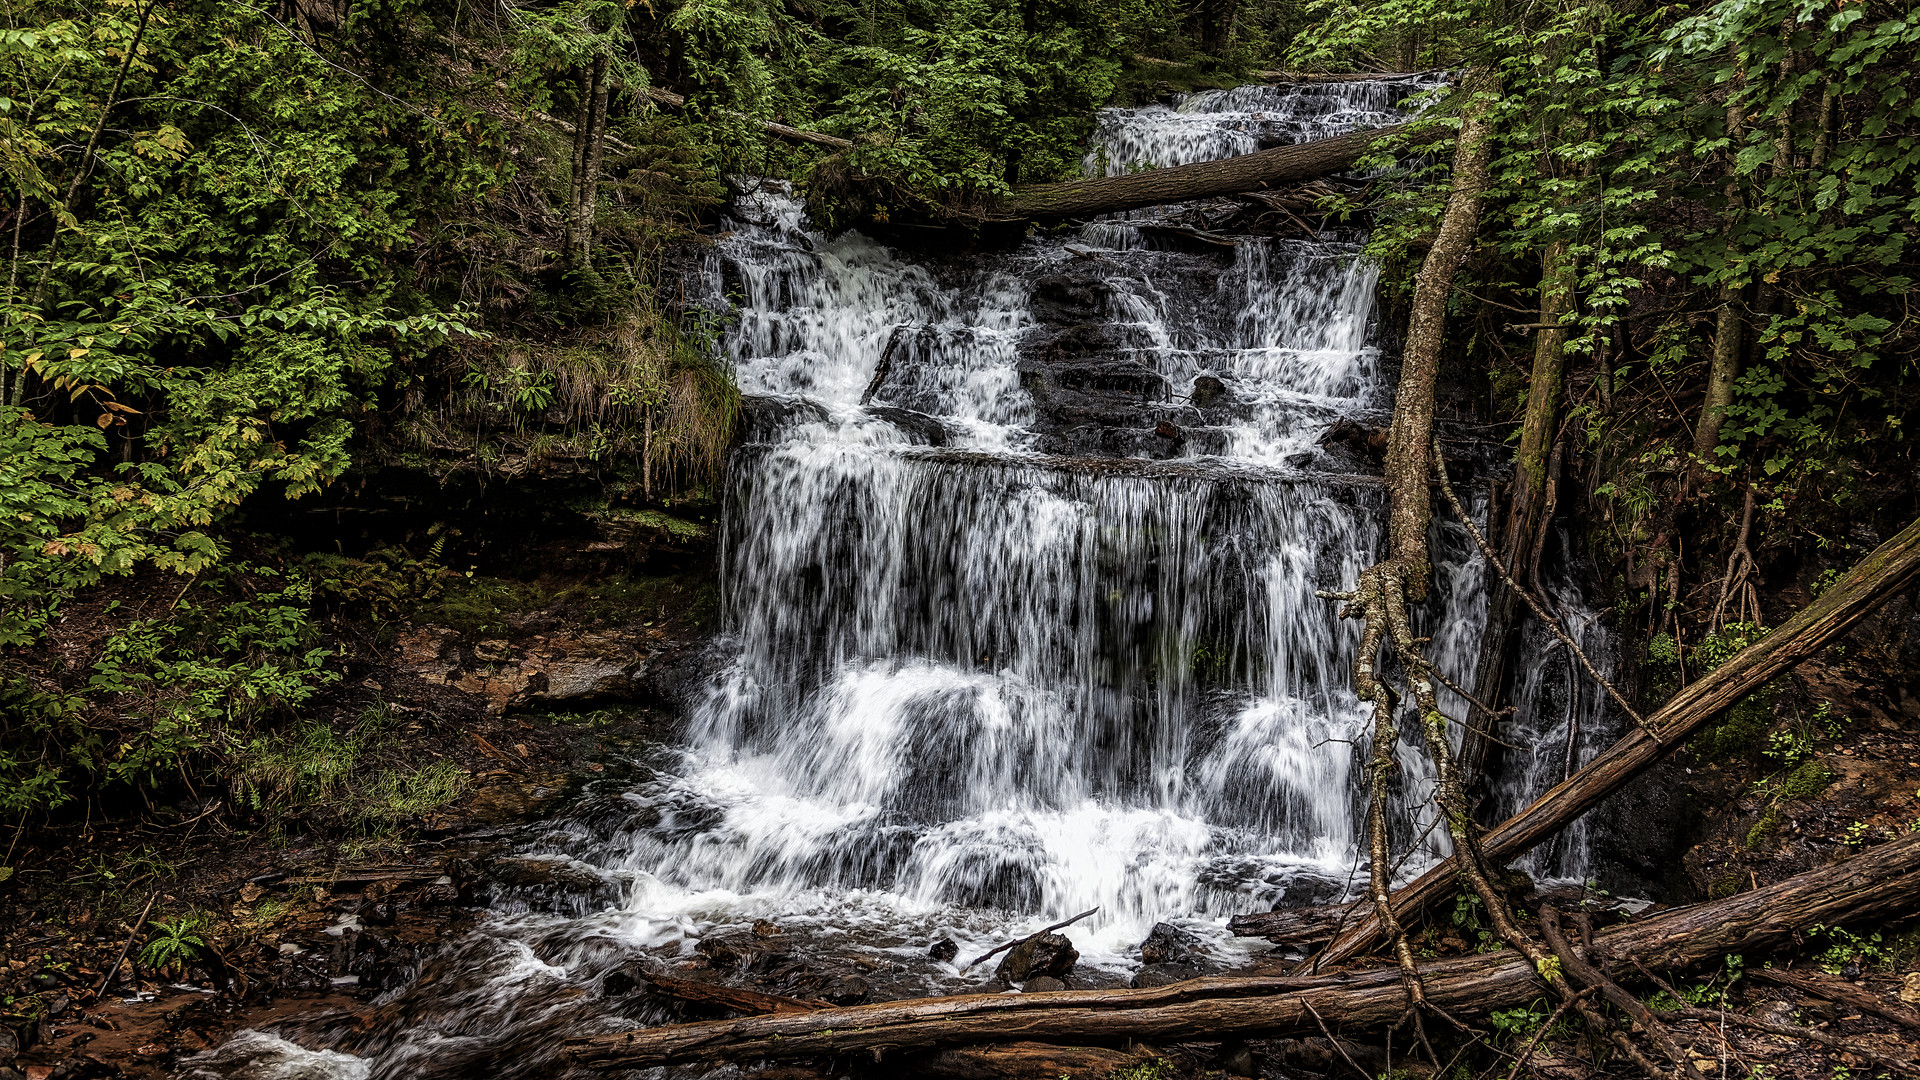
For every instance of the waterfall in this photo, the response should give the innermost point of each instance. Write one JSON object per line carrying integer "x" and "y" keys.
{"x": 994, "y": 649}
{"x": 1019, "y": 565}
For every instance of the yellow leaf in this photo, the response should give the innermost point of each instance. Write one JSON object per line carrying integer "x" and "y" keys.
{"x": 75, "y": 354}
{"x": 105, "y": 419}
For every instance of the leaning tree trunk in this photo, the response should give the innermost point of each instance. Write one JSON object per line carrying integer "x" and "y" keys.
{"x": 1526, "y": 496}
{"x": 1884, "y": 881}
{"x": 1891, "y": 569}
{"x": 1409, "y": 456}
{"x": 1199, "y": 180}
{"x": 589, "y": 144}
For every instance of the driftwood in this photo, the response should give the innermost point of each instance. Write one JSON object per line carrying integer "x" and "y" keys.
{"x": 1892, "y": 568}
{"x": 1883, "y": 881}
{"x": 1199, "y": 180}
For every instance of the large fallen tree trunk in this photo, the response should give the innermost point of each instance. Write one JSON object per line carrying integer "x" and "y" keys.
{"x": 1892, "y": 568}
{"x": 1883, "y": 881}
{"x": 1199, "y": 180}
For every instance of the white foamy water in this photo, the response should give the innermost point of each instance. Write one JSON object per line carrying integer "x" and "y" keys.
{"x": 987, "y": 662}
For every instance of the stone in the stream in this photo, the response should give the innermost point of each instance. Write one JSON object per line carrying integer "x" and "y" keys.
{"x": 1207, "y": 389}
{"x": 765, "y": 928}
{"x": 1168, "y": 944}
{"x": 851, "y": 990}
{"x": 1047, "y": 954}
{"x": 944, "y": 950}
{"x": 1041, "y": 984}
{"x": 1163, "y": 974}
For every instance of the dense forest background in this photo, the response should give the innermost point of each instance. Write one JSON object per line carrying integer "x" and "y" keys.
{"x": 258, "y": 253}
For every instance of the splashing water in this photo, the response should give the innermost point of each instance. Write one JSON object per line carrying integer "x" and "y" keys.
{"x": 995, "y": 654}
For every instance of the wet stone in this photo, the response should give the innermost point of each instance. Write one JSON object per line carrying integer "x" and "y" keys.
{"x": 1164, "y": 975}
{"x": 1168, "y": 944}
{"x": 944, "y": 950}
{"x": 1047, "y": 954}
{"x": 1041, "y": 984}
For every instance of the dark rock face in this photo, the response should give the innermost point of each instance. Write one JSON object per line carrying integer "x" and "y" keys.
{"x": 944, "y": 950}
{"x": 851, "y": 990}
{"x": 1168, "y": 944}
{"x": 1041, "y": 984}
{"x": 1047, "y": 954}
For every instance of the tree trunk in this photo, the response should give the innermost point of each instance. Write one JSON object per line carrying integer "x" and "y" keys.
{"x": 1883, "y": 881}
{"x": 1200, "y": 180}
{"x": 1725, "y": 368}
{"x": 589, "y": 144}
{"x": 1409, "y": 457}
{"x": 1892, "y": 568}
{"x": 1526, "y": 497}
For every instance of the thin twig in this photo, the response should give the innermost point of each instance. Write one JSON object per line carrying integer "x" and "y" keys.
{"x": 1540, "y": 612}
{"x": 1003, "y": 948}
{"x": 107, "y": 979}
{"x": 1335, "y": 1043}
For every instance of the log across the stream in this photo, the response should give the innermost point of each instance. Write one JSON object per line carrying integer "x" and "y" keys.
{"x": 1199, "y": 180}
{"x": 1891, "y": 569}
{"x": 1881, "y": 882}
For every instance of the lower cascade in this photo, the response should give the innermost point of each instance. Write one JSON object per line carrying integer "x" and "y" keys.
{"x": 1020, "y": 562}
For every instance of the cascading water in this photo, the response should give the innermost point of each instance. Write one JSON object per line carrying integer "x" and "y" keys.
{"x": 1019, "y": 571}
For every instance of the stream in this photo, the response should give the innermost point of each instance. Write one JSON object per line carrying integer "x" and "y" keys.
{"x": 1021, "y": 627}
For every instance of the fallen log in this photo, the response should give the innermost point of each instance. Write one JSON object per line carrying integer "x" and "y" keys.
{"x": 1892, "y": 568}
{"x": 1298, "y": 926}
{"x": 1199, "y": 180}
{"x": 1883, "y": 881}
{"x": 791, "y": 134}
{"x": 739, "y": 999}
{"x": 1025, "y": 1061}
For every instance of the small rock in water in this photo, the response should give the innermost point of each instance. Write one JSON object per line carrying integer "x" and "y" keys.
{"x": 851, "y": 990}
{"x": 1299, "y": 461}
{"x": 1168, "y": 944}
{"x": 1048, "y": 954}
{"x": 1166, "y": 431}
{"x": 1207, "y": 390}
{"x": 944, "y": 950}
{"x": 765, "y": 928}
{"x": 1041, "y": 984}
{"x": 1163, "y": 975}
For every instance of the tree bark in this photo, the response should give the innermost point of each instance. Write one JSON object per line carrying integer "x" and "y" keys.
{"x": 1200, "y": 180}
{"x": 1883, "y": 881}
{"x": 1892, "y": 568}
{"x": 1409, "y": 457}
{"x": 1526, "y": 497}
{"x": 792, "y": 134}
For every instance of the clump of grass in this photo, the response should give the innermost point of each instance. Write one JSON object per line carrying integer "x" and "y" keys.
{"x": 353, "y": 779}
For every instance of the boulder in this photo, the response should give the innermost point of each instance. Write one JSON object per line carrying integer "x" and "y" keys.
{"x": 944, "y": 950}
{"x": 1041, "y": 984}
{"x": 1046, "y": 954}
{"x": 1168, "y": 944}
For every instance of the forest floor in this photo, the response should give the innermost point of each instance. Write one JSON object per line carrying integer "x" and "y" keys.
{"x": 300, "y": 923}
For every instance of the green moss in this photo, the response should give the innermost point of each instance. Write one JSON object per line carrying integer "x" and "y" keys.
{"x": 1810, "y": 779}
{"x": 1727, "y": 885}
{"x": 1741, "y": 733}
{"x": 484, "y": 606}
{"x": 1764, "y": 829}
